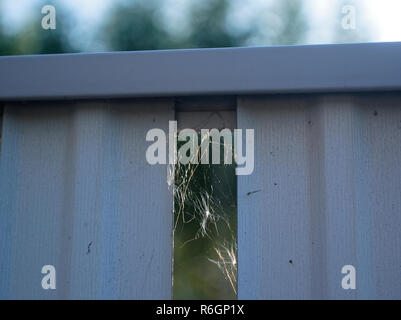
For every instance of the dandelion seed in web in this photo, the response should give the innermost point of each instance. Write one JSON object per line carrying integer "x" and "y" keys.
{"x": 227, "y": 263}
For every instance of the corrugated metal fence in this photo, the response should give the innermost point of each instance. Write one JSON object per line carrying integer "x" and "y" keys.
{"x": 329, "y": 171}
{"x": 77, "y": 192}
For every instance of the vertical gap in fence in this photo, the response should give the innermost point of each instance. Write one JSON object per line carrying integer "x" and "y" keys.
{"x": 205, "y": 207}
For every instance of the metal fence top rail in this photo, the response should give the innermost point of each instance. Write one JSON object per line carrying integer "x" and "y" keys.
{"x": 284, "y": 69}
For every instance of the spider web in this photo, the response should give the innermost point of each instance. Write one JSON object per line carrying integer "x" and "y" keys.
{"x": 205, "y": 220}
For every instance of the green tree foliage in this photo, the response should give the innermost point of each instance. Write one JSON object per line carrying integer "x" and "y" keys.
{"x": 288, "y": 25}
{"x": 6, "y": 41}
{"x": 6, "y": 44}
{"x": 139, "y": 26}
{"x": 31, "y": 38}
{"x": 136, "y": 26}
{"x": 209, "y": 26}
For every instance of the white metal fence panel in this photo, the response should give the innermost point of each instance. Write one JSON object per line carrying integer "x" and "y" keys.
{"x": 328, "y": 176}
{"x": 77, "y": 193}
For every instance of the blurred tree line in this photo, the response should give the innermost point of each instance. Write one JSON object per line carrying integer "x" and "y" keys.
{"x": 31, "y": 38}
{"x": 140, "y": 25}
